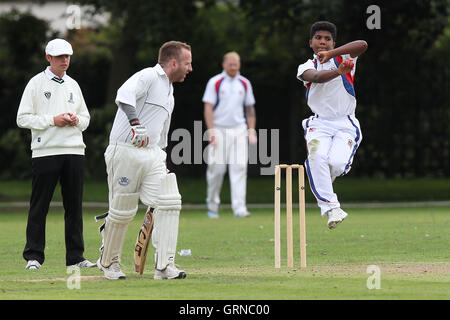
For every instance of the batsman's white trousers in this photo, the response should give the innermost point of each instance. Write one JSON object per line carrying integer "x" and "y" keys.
{"x": 230, "y": 151}
{"x": 143, "y": 171}
{"x": 135, "y": 170}
{"x": 331, "y": 146}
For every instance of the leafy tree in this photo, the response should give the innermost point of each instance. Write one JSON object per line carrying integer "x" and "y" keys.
{"x": 21, "y": 57}
{"x": 401, "y": 79}
{"x": 404, "y": 125}
{"x": 143, "y": 25}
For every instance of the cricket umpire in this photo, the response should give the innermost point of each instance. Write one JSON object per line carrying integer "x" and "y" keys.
{"x": 53, "y": 108}
{"x": 231, "y": 119}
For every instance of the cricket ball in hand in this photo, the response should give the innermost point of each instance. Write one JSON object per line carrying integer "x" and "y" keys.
{"x": 67, "y": 116}
{"x": 349, "y": 63}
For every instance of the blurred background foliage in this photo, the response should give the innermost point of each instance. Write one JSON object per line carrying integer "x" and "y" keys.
{"x": 402, "y": 80}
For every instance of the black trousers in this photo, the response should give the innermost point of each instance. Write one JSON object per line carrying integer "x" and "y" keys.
{"x": 47, "y": 171}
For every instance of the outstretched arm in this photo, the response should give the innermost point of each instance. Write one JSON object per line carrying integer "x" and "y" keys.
{"x": 312, "y": 75}
{"x": 354, "y": 49}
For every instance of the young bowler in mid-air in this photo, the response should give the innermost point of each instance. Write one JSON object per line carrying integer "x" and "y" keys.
{"x": 135, "y": 163}
{"x": 333, "y": 133}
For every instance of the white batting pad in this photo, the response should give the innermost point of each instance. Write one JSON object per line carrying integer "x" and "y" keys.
{"x": 167, "y": 214}
{"x": 122, "y": 210}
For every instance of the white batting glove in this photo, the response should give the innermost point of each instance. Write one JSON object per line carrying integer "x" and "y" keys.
{"x": 139, "y": 137}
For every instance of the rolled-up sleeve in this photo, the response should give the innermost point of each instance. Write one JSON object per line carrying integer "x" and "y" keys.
{"x": 302, "y": 68}
{"x": 249, "y": 97}
{"x": 210, "y": 95}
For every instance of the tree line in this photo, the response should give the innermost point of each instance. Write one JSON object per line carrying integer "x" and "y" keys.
{"x": 401, "y": 80}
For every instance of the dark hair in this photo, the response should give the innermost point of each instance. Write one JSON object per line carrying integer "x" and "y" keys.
{"x": 171, "y": 50}
{"x": 323, "y": 25}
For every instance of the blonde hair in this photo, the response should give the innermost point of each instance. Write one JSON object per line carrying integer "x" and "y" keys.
{"x": 231, "y": 54}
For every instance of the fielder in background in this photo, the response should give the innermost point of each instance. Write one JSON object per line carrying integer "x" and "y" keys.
{"x": 230, "y": 121}
{"x": 135, "y": 163}
{"x": 53, "y": 107}
{"x": 333, "y": 133}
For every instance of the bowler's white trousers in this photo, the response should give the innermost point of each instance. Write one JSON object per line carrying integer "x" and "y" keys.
{"x": 230, "y": 151}
{"x": 331, "y": 146}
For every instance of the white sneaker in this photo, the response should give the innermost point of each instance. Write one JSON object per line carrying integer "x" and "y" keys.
{"x": 33, "y": 265}
{"x": 242, "y": 214}
{"x": 170, "y": 272}
{"x": 212, "y": 215}
{"x": 335, "y": 217}
{"x": 84, "y": 264}
{"x": 113, "y": 272}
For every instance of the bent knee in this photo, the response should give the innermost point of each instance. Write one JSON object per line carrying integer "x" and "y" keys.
{"x": 338, "y": 168}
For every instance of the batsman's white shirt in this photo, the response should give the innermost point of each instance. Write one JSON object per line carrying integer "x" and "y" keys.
{"x": 332, "y": 99}
{"x": 132, "y": 169}
{"x": 44, "y": 97}
{"x": 151, "y": 93}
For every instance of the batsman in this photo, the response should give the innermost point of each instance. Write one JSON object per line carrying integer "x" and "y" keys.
{"x": 136, "y": 167}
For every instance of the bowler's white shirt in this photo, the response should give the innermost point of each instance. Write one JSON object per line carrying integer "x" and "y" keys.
{"x": 151, "y": 93}
{"x": 329, "y": 99}
{"x": 229, "y": 97}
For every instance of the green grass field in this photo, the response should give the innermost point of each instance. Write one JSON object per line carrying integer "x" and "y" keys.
{"x": 232, "y": 259}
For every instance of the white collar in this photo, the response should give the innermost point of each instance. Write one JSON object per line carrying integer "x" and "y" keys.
{"x": 225, "y": 75}
{"x": 160, "y": 70}
{"x": 50, "y": 75}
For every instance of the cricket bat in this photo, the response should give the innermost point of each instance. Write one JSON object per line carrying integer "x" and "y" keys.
{"x": 143, "y": 239}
